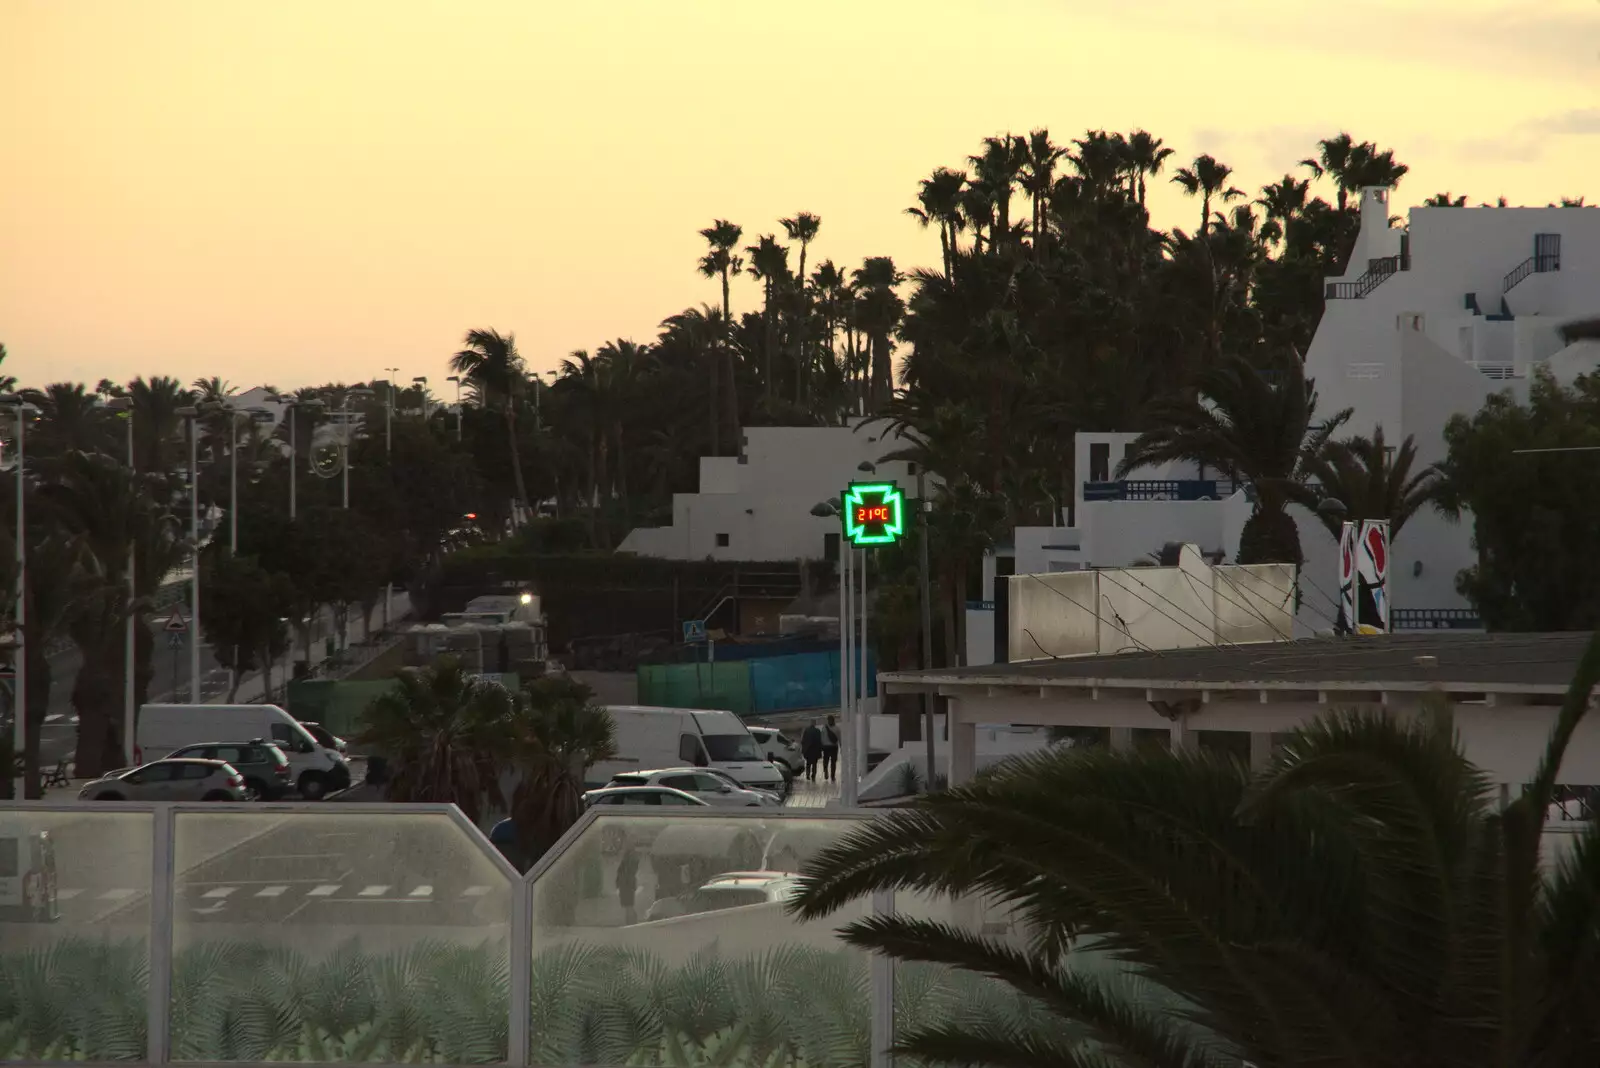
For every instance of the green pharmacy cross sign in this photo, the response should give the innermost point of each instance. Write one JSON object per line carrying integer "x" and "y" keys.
{"x": 874, "y": 513}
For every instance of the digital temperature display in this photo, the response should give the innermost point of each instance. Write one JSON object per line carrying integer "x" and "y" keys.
{"x": 874, "y": 513}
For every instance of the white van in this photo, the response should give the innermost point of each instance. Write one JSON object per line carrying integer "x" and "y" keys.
{"x": 317, "y": 769}
{"x": 27, "y": 875}
{"x": 650, "y": 737}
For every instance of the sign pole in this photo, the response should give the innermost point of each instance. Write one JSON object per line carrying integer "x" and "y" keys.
{"x": 847, "y": 628}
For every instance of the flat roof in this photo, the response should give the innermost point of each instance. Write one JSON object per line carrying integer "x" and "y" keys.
{"x": 1462, "y": 661}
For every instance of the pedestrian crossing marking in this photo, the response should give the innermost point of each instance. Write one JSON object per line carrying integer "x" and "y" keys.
{"x": 476, "y": 891}
{"x": 272, "y": 891}
{"x": 114, "y": 895}
{"x": 422, "y": 891}
{"x": 323, "y": 891}
{"x": 373, "y": 891}
{"x": 219, "y": 892}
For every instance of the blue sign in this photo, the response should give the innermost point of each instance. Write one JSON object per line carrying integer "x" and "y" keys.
{"x": 694, "y": 630}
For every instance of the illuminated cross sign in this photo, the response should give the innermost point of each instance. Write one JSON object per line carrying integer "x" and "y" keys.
{"x": 874, "y": 513}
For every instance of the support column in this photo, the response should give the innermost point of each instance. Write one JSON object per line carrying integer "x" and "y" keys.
{"x": 1121, "y": 739}
{"x": 881, "y": 971}
{"x": 1182, "y": 736}
{"x": 1260, "y": 749}
{"x": 963, "y": 748}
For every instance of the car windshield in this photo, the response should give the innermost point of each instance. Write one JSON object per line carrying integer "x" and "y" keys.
{"x": 320, "y": 734}
{"x": 731, "y": 747}
{"x": 628, "y": 780}
{"x": 727, "y": 897}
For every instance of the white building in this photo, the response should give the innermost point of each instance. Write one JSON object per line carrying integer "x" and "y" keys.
{"x": 1428, "y": 321}
{"x": 757, "y": 505}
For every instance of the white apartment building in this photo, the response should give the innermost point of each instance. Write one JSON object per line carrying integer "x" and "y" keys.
{"x": 757, "y": 505}
{"x": 1428, "y": 321}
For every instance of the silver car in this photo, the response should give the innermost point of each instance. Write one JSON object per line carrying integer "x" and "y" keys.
{"x": 711, "y": 786}
{"x": 642, "y": 795}
{"x": 178, "y": 779}
{"x": 729, "y": 890}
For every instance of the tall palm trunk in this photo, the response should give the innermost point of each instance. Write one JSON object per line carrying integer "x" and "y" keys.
{"x": 771, "y": 341}
{"x": 516, "y": 454}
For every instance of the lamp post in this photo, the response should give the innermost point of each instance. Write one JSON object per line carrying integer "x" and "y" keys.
{"x": 294, "y": 404}
{"x": 457, "y": 380}
{"x": 925, "y": 595}
{"x": 421, "y": 382}
{"x": 19, "y": 692}
{"x": 359, "y": 393}
{"x": 189, "y": 414}
{"x": 847, "y": 778}
{"x": 863, "y": 721}
{"x": 124, "y": 405}
{"x": 388, "y": 413}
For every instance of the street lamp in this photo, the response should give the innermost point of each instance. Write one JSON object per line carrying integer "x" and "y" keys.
{"x": 19, "y": 692}
{"x": 421, "y": 382}
{"x": 457, "y": 380}
{"x": 388, "y": 414}
{"x": 213, "y": 407}
{"x": 189, "y": 413}
{"x": 847, "y": 673}
{"x": 124, "y": 407}
{"x": 359, "y": 393}
{"x": 293, "y": 403}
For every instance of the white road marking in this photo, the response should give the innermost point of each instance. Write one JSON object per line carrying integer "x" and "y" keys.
{"x": 271, "y": 891}
{"x": 67, "y": 895}
{"x": 117, "y": 895}
{"x": 324, "y": 890}
{"x": 476, "y": 891}
{"x": 374, "y": 891}
{"x": 422, "y": 891}
{"x": 220, "y": 891}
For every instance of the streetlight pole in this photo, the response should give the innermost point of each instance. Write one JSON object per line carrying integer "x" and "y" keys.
{"x": 863, "y": 719}
{"x": 19, "y": 699}
{"x": 388, "y": 414}
{"x": 924, "y": 506}
{"x": 130, "y": 625}
{"x": 457, "y": 380}
{"x": 359, "y": 393}
{"x": 190, "y": 414}
{"x": 847, "y": 676}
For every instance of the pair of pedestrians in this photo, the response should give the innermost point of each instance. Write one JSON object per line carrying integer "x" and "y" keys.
{"x": 819, "y": 744}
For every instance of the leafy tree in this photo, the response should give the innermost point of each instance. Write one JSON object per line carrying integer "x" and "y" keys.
{"x": 559, "y": 733}
{"x": 1366, "y": 900}
{"x": 242, "y": 613}
{"x": 1250, "y": 427}
{"x": 1534, "y": 515}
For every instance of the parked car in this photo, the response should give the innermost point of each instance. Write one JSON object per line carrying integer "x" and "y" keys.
{"x": 721, "y": 790}
{"x": 186, "y": 779}
{"x": 326, "y": 738}
{"x": 318, "y": 770}
{"x": 729, "y": 890}
{"x": 265, "y": 767}
{"x": 642, "y": 795}
{"x": 778, "y": 747}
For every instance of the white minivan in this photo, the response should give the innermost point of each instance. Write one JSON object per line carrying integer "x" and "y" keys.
{"x": 318, "y": 770}
{"x": 650, "y": 737}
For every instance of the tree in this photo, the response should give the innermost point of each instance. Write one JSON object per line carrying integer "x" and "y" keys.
{"x": 445, "y": 735}
{"x": 769, "y": 264}
{"x": 1252, "y": 428}
{"x": 720, "y": 262}
{"x": 491, "y": 363}
{"x": 1371, "y": 483}
{"x": 242, "y": 613}
{"x": 939, "y": 201}
{"x": 1366, "y": 900}
{"x": 559, "y": 733}
{"x": 1207, "y": 179}
{"x": 1534, "y": 514}
{"x": 1445, "y": 200}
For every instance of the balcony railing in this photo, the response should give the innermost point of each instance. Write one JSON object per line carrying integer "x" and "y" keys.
{"x": 1379, "y": 271}
{"x": 1543, "y": 263}
{"x": 387, "y": 934}
{"x": 1180, "y": 489}
{"x": 1434, "y": 619}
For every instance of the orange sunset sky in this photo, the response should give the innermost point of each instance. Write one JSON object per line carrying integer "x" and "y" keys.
{"x": 299, "y": 191}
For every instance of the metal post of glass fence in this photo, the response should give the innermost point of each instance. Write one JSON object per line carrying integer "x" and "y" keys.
{"x": 882, "y": 987}
{"x": 163, "y": 869}
{"x": 520, "y": 961}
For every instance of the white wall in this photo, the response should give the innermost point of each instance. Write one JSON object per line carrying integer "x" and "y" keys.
{"x": 762, "y": 501}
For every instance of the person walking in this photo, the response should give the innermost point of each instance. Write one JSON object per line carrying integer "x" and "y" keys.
{"x": 811, "y": 749}
{"x": 830, "y": 751}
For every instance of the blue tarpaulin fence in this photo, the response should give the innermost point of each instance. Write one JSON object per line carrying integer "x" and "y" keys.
{"x": 754, "y": 686}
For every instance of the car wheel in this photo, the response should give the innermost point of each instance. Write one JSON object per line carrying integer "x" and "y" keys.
{"x": 108, "y": 797}
{"x": 217, "y": 795}
{"x": 313, "y": 786}
{"x": 256, "y": 790}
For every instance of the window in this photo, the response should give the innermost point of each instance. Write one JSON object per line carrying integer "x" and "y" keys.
{"x": 195, "y": 771}
{"x": 1100, "y": 461}
{"x": 642, "y": 798}
{"x": 230, "y": 753}
{"x": 690, "y": 750}
{"x": 10, "y": 857}
{"x": 281, "y": 732}
{"x": 731, "y": 897}
{"x": 722, "y": 541}
{"x": 732, "y": 747}
{"x": 680, "y": 782}
{"x": 672, "y": 799}
{"x": 155, "y": 773}
{"x": 707, "y": 784}
{"x": 629, "y": 780}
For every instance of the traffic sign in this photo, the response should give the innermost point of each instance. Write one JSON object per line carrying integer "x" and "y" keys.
{"x": 176, "y": 624}
{"x": 694, "y": 630}
{"x": 175, "y": 640}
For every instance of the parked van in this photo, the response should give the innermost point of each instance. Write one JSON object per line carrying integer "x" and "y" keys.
{"x": 317, "y": 770}
{"x": 27, "y": 875}
{"x": 649, "y": 737}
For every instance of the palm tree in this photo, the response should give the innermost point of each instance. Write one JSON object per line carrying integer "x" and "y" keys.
{"x": 1283, "y": 201}
{"x": 939, "y": 201}
{"x": 71, "y": 420}
{"x": 880, "y": 310}
{"x": 1252, "y": 428}
{"x": 1206, "y": 179}
{"x": 1445, "y": 200}
{"x": 997, "y": 169}
{"x": 1371, "y": 479}
{"x": 491, "y": 364}
{"x": 156, "y": 424}
{"x": 1365, "y": 900}
{"x": 1038, "y": 179}
{"x": 769, "y": 264}
{"x": 802, "y": 228}
{"x": 627, "y": 366}
{"x": 560, "y": 732}
{"x": 1335, "y": 156}
{"x": 446, "y": 734}
{"x": 720, "y": 262}
{"x": 1148, "y": 156}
